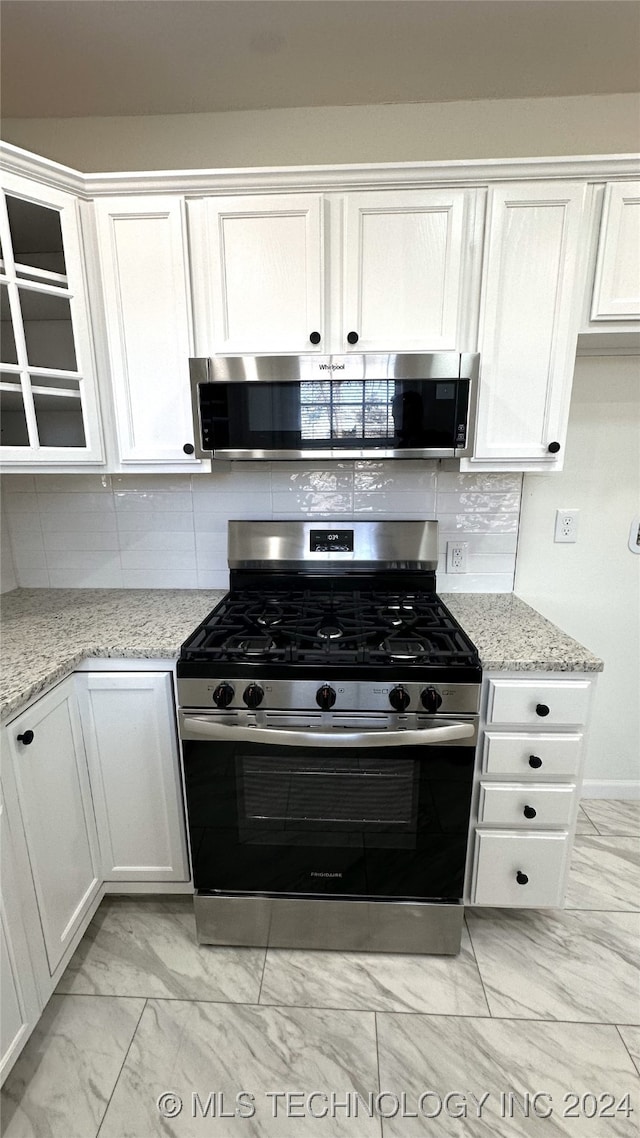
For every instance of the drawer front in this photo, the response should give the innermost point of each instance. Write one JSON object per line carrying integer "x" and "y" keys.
{"x": 528, "y": 806}
{"x": 539, "y": 858}
{"x": 518, "y": 754}
{"x": 540, "y": 703}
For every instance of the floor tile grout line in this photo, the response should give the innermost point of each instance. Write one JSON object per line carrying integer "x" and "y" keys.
{"x": 480, "y": 976}
{"x": 264, "y": 965}
{"x": 356, "y": 1011}
{"x": 375, "y": 1031}
{"x": 625, "y": 1044}
{"x": 122, "y": 1065}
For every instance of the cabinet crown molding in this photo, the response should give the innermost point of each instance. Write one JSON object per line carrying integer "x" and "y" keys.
{"x": 382, "y": 175}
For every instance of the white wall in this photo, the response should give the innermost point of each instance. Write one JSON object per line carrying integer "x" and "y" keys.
{"x": 592, "y": 589}
{"x": 483, "y": 128}
{"x": 7, "y": 572}
{"x": 155, "y": 531}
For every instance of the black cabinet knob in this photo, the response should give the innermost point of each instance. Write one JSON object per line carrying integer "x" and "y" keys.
{"x": 521, "y": 878}
{"x": 26, "y": 738}
{"x": 542, "y": 710}
{"x": 315, "y": 337}
{"x": 535, "y": 762}
{"x": 223, "y": 695}
{"x": 189, "y": 448}
{"x": 553, "y": 448}
{"x": 325, "y": 697}
{"x": 529, "y": 812}
{"x": 253, "y": 695}
{"x": 352, "y": 337}
{"x": 430, "y": 699}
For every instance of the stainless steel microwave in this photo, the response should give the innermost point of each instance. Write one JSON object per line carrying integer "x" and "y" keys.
{"x": 335, "y": 407}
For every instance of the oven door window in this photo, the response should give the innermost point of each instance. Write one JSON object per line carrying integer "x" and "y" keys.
{"x": 340, "y": 822}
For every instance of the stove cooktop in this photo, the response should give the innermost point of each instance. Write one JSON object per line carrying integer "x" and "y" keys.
{"x": 307, "y": 632}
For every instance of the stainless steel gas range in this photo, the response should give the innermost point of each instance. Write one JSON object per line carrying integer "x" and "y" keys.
{"x": 328, "y": 716}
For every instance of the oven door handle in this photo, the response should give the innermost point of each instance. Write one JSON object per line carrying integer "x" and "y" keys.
{"x": 205, "y": 728}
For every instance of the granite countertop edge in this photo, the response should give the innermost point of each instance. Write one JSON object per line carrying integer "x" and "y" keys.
{"x": 510, "y": 635}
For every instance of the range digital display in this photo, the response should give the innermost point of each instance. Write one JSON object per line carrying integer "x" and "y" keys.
{"x": 331, "y": 541}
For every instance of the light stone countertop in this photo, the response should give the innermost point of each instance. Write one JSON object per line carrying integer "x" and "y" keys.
{"x": 46, "y": 633}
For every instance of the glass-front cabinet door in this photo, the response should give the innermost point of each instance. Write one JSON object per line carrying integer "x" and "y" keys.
{"x": 48, "y": 404}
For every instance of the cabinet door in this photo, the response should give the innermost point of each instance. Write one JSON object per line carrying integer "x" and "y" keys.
{"x": 145, "y": 279}
{"x": 404, "y": 256}
{"x": 267, "y": 272}
{"x": 48, "y": 399}
{"x": 57, "y": 813}
{"x": 20, "y": 1006}
{"x": 528, "y": 321}
{"x": 129, "y": 724}
{"x": 616, "y": 291}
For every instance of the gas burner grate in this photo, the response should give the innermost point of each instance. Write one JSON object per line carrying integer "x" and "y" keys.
{"x": 330, "y": 626}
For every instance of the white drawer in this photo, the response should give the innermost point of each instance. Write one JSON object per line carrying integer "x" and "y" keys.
{"x": 509, "y": 804}
{"x": 539, "y": 860}
{"x": 542, "y": 702}
{"x": 518, "y": 754}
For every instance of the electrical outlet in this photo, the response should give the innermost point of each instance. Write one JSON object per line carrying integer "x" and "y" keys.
{"x": 456, "y": 557}
{"x": 566, "y": 525}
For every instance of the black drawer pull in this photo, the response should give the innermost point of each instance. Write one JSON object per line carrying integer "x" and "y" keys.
{"x": 521, "y": 878}
{"x": 529, "y": 812}
{"x": 353, "y": 337}
{"x": 188, "y": 448}
{"x": 535, "y": 762}
{"x": 315, "y": 337}
{"x": 542, "y": 710}
{"x": 26, "y": 738}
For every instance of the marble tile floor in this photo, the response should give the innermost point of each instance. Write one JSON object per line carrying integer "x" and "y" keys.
{"x": 542, "y": 1003}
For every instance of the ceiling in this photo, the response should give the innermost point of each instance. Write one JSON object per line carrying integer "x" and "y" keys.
{"x": 143, "y": 57}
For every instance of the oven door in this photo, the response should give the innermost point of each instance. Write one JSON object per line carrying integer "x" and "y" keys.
{"x": 333, "y": 813}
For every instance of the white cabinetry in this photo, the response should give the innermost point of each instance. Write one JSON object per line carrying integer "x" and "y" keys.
{"x": 528, "y": 324}
{"x": 20, "y": 1005}
{"x": 395, "y": 266}
{"x": 129, "y": 725}
{"x": 265, "y": 273}
{"x": 54, "y": 797}
{"x": 145, "y": 281}
{"x": 405, "y": 259}
{"x": 527, "y": 790}
{"x": 48, "y": 398}
{"x": 616, "y": 289}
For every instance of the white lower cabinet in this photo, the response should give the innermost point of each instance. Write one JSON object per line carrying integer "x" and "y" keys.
{"x": 129, "y": 725}
{"x": 527, "y": 788}
{"x": 20, "y": 1005}
{"x": 54, "y": 796}
{"x": 522, "y": 870}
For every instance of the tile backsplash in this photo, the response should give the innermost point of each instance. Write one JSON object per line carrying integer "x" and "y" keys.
{"x": 169, "y": 531}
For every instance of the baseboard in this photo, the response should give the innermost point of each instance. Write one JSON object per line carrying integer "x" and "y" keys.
{"x": 611, "y": 788}
{"x": 148, "y": 887}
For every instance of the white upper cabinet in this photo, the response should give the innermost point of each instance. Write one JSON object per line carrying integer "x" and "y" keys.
{"x": 528, "y": 323}
{"x": 405, "y": 255}
{"x": 265, "y": 274}
{"x": 57, "y": 813}
{"x": 616, "y": 290}
{"x": 145, "y": 280}
{"x": 48, "y": 398}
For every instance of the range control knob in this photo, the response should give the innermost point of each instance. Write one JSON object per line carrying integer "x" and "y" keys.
{"x": 399, "y": 699}
{"x": 325, "y": 697}
{"x": 223, "y": 695}
{"x": 431, "y": 699}
{"x": 253, "y": 695}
